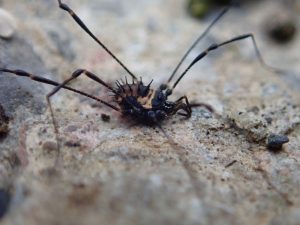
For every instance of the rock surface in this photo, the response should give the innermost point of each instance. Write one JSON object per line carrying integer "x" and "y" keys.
{"x": 218, "y": 171}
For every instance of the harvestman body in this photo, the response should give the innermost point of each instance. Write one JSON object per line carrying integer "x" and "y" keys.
{"x": 136, "y": 100}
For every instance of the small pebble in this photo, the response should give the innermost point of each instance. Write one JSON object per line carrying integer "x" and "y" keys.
{"x": 105, "y": 117}
{"x": 8, "y": 24}
{"x": 269, "y": 120}
{"x": 275, "y": 141}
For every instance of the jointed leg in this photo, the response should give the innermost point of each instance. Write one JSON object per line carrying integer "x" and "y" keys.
{"x": 87, "y": 30}
{"x": 23, "y": 73}
{"x": 56, "y": 89}
{"x": 185, "y": 106}
{"x": 76, "y": 74}
{"x": 205, "y": 32}
{"x": 215, "y": 46}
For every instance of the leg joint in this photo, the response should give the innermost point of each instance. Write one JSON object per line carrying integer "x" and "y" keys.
{"x": 77, "y": 72}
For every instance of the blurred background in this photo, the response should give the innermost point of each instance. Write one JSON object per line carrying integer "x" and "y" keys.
{"x": 113, "y": 173}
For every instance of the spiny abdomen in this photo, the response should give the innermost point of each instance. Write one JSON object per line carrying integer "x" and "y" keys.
{"x": 135, "y": 95}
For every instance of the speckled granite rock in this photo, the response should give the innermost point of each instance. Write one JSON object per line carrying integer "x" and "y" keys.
{"x": 20, "y": 100}
{"x": 115, "y": 173}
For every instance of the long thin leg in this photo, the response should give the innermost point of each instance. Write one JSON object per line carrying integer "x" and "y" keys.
{"x": 74, "y": 75}
{"x": 79, "y": 72}
{"x": 58, "y": 156}
{"x": 87, "y": 30}
{"x": 215, "y": 46}
{"x": 56, "y": 89}
{"x": 202, "y": 35}
{"x": 54, "y": 83}
{"x": 187, "y": 106}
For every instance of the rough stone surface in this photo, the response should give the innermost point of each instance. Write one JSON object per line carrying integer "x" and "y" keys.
{"x": 213, "y": 169}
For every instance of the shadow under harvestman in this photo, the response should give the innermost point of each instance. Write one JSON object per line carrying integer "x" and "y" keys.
{"x": 135, "y": 99}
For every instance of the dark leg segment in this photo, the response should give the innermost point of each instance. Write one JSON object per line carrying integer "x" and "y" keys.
{"x": 200, "y": 104}
{"x": 87, "y": 30}
{"x": 215, "y": 46}
{"x": 54, "y": 83}
{"x": 76, "y": 74}
{"x": 185, "y": 106}
{"x": 219, "y": 16}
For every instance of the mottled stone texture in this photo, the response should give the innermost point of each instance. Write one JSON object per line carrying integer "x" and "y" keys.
{"x": 218, "y": 171}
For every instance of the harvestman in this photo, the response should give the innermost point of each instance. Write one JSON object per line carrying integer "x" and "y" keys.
{"x": 140, "y": 102}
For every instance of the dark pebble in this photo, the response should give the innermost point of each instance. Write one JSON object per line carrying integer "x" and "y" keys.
{"x": 275, "y": 141}
{"x": 268, "y": 120}
{"x": 105, "y": 117}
